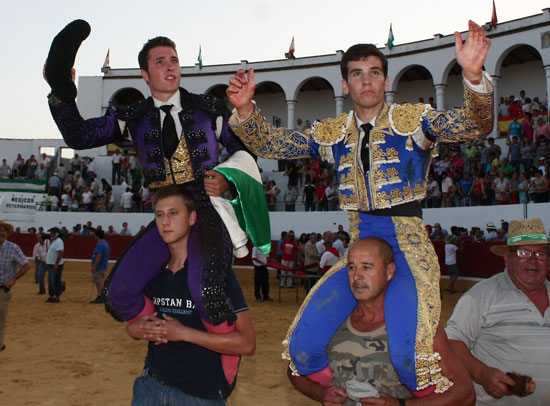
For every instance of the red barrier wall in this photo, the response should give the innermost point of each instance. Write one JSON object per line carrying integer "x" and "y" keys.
{"x": 76, "y": 247}
{"x": 475, "y": 260}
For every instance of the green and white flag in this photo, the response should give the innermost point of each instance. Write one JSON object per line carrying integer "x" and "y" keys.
{"x": 250, "y": 206}
{"x": 23, "y": 185}
{"x": 390, "y": 39}
{"x": 200, "y": 58}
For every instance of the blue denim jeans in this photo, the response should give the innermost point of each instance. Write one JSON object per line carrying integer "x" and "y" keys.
{"x": 40, "y": 272}
{"x": 54, "y": 280}
{"x": 149, "y": 391}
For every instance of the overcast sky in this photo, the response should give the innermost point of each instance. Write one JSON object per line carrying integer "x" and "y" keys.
{"x": 228, "y": 32}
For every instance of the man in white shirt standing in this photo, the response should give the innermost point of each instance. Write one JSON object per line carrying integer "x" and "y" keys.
{"x": 117, "y": 166}
{"x": 126, "y": 201}
{"x": 432, "y": 199}
{"x": 88, "y": 199}
{"x": 65, "y": 199}
{"x": 447, "y": 190}
{"x": 261, "y": 276}
{"x": 39, "y": 253}
{"x": 332, "y": 197}
{"x": 451, "y": 247}
{"x": 45, "y": 160}
{"x": 123, "y": 184}
{"x": 54, "y": 263}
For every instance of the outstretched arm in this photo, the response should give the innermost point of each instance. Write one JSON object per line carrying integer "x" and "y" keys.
{"x": 59, "y": 73}
{"x": 58, "y": 70}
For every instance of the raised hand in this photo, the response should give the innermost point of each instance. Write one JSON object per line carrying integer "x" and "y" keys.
{"x": 241, "y": 92}
{"x": 472, "y": 54}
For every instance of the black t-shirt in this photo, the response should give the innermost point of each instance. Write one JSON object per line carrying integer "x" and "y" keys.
{"x": 309, "y": 191}
{"x": 292, "y": 173}
{"x": 195, "y": 370}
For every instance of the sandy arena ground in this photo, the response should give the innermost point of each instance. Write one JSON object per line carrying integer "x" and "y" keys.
{"x": 73, "y": 353}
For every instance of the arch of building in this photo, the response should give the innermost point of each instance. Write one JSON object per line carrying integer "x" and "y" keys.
{"x": 440, "y": 77}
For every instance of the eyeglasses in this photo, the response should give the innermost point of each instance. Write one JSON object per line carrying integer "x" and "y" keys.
{"x": 524, "y": 254}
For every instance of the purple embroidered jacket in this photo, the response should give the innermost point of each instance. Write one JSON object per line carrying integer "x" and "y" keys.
{"x": 197, "y": 152}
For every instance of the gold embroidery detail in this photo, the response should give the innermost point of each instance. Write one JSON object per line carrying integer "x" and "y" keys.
{"x": 348, "y": 202}
{"x": 332, "y": 130}
{"x": 473, "y": 121}
{"x": 347, "y": 178}
{"x": 479, "y": 107}
{"x": 346, "y": 161}
{"x": 354, "y": 221}
{"x": 271, "y": 142}
{"x": 383, "y": 200}
{"x": 385, "y": 178}
{"x": 181, "y": 170}
{"x": 406, "y": 118}
{"x": 379, "y": 133}
{"x": 380, "y": 156}
{"x": 422, "y": 260}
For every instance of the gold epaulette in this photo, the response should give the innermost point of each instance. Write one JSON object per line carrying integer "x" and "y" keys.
{"x": 405, "y": 119}
{"x": 332, "y": 130}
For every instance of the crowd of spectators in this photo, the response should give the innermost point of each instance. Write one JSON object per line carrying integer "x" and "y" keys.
{"x": 87, "y": 229}
{"x": 313, "y": 253}
{"x": 75, "y": 186}
{"x": 310, "y": 184}
{"x": 517, "y": 106}
{"x": 476, "y": 234}
{"x": 30, "y": 168}
{"x": 480, "y": 173}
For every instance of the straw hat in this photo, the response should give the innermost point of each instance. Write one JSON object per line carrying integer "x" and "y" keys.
{"x": 6, "y": 226}
{"x": 523, "y": 232}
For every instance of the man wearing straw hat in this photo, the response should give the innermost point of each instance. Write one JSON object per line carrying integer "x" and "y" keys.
{"x": 502, "y": 324}
{"x": 13, "y": 265}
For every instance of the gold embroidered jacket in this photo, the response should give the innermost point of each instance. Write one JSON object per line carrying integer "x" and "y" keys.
{"x": 400, "y": 146}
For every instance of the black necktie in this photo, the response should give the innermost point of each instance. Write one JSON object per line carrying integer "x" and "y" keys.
{"x": 365, "y": 146}
{"x": 169, "y": 134}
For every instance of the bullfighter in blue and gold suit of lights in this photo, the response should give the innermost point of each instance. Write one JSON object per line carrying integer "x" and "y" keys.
{"x": 382, "y": 201}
